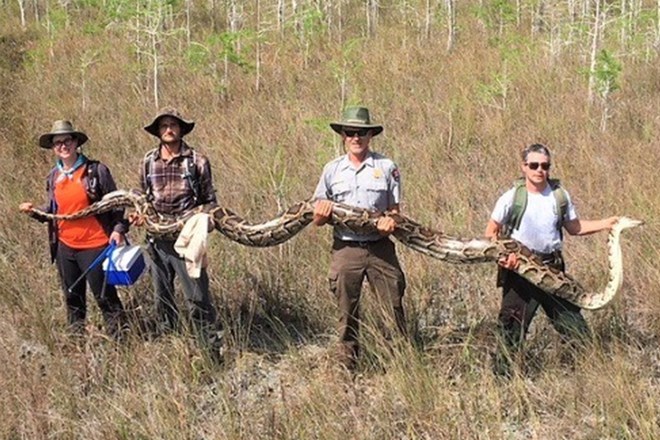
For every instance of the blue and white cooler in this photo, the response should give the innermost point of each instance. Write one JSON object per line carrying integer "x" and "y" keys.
{"x": 124, "y": 265}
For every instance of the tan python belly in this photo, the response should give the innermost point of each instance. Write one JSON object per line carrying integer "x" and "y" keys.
{"x": 410, "y": 233}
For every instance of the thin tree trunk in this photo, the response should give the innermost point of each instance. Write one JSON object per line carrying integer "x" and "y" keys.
{"x": 605, "y": 113}
{"x": 366, "y": 4}
{"x": 21, "y": 7}
{"x": 451, "y": 25}
{"x": 36, "y": 11}
{"x": 87, "y": 61}
{"x": 327, "y": 11}
{"x": 296, "y": 19}
{"x": 138, "y": 36}
{"x": 594, "y": 51}
{"x": 280, "y": 16}
{"x": 234, "y": 21}
{"x": 427, "y": 21}
{"x": 341, "y": 28}
{"x": 258, "y": 48}
{"x": 657, "y": 26}
{"x": 212, "y": 12}
{"x": 585, "y": 10}
{"x": 154, "y": 71}
{"x": 627, "y": 15}
{"x": 230, "y": 25}
{"x": 372, "y": 16}
{"x": 188, "y": 7}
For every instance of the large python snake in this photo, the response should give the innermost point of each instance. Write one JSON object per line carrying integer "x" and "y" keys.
{"x": 410, "y": 233}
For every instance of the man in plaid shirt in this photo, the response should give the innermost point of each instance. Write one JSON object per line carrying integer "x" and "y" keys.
{"x": 176, "y": 179}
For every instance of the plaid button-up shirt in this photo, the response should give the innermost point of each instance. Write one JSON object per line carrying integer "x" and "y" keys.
{"x": 171, "y": 190}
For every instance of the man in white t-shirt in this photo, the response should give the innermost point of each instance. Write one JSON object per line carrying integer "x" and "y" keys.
{"x": 547, "y": 208}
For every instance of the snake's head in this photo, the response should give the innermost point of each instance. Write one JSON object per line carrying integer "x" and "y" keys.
{"x": 627, "y": 222}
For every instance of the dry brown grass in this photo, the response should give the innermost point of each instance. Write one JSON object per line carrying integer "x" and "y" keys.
{"x": 456, "y": 141}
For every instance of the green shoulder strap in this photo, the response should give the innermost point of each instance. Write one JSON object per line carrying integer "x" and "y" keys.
{"x": 520, "y": 204}
{"x": 562, "y": 201}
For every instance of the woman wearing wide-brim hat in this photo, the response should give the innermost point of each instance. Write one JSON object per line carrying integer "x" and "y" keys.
{"x": 73, "y": 184}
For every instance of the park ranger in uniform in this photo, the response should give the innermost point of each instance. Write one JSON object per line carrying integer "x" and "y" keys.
{"x": 364, "y": 179}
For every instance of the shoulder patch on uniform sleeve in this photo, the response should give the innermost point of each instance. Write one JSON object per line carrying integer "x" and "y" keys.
{"x": 395, "y": 174}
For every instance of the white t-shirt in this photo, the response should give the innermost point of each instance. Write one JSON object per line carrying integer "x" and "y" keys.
{"x": 538, "y": 227}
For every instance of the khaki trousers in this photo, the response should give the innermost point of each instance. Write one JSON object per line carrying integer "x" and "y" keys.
{"x": 351, "y": 263}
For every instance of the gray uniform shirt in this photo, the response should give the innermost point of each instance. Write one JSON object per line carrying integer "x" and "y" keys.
{"x": 374, "y": 185}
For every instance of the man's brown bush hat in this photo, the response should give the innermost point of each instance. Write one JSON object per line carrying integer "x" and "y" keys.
{"x": 186, "y": 126}
{"x": 356, "y": 117}
{"x": 61, "y": 127}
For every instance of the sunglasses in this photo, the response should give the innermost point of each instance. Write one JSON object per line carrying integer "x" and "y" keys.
{"x": 68, "y": 142}
{"x": 545, "y": 166}
{"x": 361, "y": 132}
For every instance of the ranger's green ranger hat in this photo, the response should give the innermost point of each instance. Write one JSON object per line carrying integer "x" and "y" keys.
{"x": 356, "y": 117}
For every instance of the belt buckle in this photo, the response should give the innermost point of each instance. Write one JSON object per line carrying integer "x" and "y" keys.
{"x": 549, "y": 258}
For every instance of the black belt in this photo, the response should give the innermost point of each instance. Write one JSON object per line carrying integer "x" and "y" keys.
{"x": 358, "y": 243}
{"x": 552, "y": 257}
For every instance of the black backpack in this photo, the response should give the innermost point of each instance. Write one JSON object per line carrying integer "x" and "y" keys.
{"x": 191, "y": 175}
{"x": 90, "y": 180}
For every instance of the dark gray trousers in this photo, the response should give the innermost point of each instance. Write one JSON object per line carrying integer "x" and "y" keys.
{"x": 520, "y": 302}
{"x": 166, "y": 264}
{"x": 71, "y": 263}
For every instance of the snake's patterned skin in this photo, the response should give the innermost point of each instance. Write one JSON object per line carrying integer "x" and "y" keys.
{"x": 410, "y": 233}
